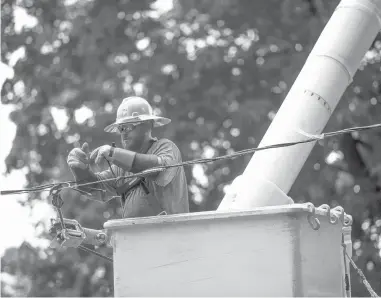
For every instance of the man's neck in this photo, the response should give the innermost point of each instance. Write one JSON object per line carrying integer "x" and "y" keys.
{"x": 146, "y": 145}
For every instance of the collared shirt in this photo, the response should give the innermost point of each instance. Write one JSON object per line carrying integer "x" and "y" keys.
{"x": 168, "y": 190}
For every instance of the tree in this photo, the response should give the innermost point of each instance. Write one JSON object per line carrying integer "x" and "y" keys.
{"x": 218, "y": 69}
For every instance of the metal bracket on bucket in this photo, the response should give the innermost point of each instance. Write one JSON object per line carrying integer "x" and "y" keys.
{"x": 334, "y": 214}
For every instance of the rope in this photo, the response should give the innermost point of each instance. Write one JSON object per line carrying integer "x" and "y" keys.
{"x": 362, "y": 277}
{"x": 311, "y": 138}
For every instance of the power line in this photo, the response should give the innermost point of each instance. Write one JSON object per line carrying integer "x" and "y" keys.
{"x": 310, "y": 138}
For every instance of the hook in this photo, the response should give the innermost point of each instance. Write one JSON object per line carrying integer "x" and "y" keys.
{"x": 312, "y": 219}
{"x": 326, "y": 208}
{"x": 348, "y": 220}
{"x": 341, "y": 214}
{"x": 57, "y": 201}
{"x": 333, "y": 218}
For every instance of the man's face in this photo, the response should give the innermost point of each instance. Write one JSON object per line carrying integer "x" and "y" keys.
{"x": 133, "y": 135}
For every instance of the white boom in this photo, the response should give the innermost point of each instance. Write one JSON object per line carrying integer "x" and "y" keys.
{"x": 308, "y": 106}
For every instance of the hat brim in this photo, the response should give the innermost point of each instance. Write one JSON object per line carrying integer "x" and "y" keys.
{"x": 157, "y": 122}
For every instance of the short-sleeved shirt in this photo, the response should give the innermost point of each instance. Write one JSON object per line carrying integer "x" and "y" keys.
{"x": 168, "y": 189}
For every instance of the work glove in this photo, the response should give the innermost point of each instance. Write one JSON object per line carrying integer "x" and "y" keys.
{"x": 78, "y": 161}
{"x": 101, "y": 152}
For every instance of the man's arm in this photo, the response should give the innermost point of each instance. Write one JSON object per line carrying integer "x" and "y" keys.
{"x": 163, "y": 154}
{"x": 129, "y": 161}
{"x": 135, "y": 162}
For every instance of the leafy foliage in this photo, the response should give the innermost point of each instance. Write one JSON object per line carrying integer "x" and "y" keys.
{"x": 218, "y": 69}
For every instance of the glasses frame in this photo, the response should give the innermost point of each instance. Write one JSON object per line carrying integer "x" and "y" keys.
{"x": 127, "y": 127}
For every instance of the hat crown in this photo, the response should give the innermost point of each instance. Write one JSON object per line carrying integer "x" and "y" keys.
{"x": 133, "y": 106}
{"x": 135, "y": 109}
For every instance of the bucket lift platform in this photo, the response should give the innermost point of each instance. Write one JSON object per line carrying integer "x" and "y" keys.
{"x": 290, "y": 250}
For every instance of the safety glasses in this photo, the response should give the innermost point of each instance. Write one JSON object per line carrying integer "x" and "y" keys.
{"x": 127, "y": 127}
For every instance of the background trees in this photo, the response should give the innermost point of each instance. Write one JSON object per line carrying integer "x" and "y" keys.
{"x": 219, "y": 69}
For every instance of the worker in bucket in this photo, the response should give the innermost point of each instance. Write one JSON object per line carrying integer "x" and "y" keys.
{"x": 162, "y": 192}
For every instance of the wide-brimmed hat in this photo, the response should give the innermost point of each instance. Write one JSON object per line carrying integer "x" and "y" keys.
{"x": 135, "y": 109}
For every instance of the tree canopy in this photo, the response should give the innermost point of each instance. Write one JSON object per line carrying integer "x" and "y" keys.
{"x": 219, "y": 69}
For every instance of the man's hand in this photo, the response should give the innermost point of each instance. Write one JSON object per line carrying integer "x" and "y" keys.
{"x": 79, "y": 157}
{"x": 79, "y": 163}
{"x": 101, "y": 152}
